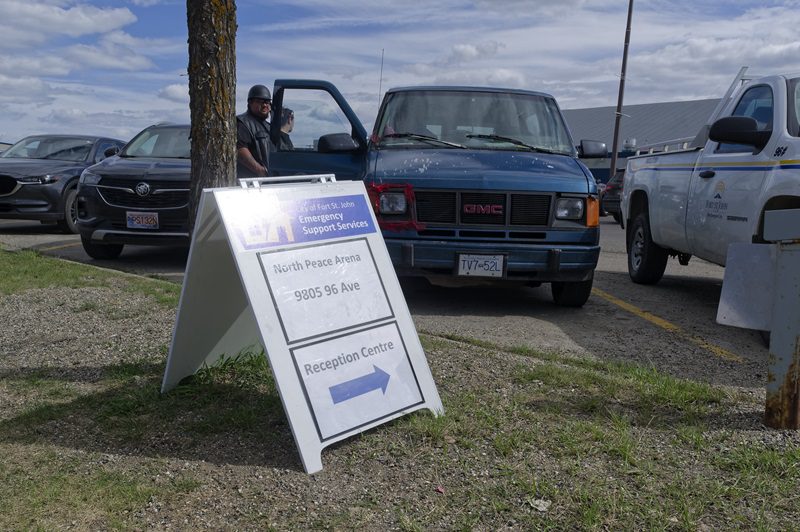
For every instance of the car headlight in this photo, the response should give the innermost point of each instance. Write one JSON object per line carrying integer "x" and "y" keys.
{"x": 393, "y": 203}
{"x": 39, "y": 179}
{"x": 569, "y": 209}
{"x": 89, "y": 178}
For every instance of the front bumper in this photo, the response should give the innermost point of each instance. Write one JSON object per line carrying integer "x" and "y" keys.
{"x": 33, "y": 202}
{"x": 102, "y": 223}
{"x": 528, "y": 262}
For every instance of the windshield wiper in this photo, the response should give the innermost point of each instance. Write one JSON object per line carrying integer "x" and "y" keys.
{"x": 424, "y": 138}
{"x": 515, "y": 142}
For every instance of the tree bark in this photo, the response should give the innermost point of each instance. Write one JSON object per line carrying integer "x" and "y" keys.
{"x": 212, "y": 95}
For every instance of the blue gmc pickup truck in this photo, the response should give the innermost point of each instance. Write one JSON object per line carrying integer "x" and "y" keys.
{"x": 469, "y": 185}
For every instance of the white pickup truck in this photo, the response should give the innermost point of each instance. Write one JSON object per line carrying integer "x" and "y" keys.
{"x": 697, "y": 201}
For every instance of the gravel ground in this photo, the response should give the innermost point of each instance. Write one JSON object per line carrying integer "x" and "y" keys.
{"x": 245, "y": 484}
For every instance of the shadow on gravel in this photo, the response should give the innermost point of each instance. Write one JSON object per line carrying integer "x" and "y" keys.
{"x": 221, "y": 423}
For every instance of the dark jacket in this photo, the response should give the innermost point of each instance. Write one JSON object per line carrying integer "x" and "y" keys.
{"x": 253, "y": 134}
{"x": 285, "y": 142}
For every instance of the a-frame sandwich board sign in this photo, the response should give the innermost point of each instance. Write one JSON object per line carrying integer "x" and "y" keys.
{"x": 300, "y": 268}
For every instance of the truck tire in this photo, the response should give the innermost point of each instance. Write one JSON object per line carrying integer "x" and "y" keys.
{"x": 571, "y": 294}
{"x": 68, "y": 224}
{"x": 101, "y": 251}
{"x": 646, "y": 259}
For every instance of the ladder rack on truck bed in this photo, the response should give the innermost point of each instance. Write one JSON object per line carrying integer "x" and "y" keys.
{"x": 699, "y": 140}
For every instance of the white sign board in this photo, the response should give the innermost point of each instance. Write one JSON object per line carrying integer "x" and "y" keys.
{"x": 302, "y": 270}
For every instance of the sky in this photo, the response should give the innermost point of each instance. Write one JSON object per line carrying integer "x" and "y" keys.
{"x": 113, "y": 67}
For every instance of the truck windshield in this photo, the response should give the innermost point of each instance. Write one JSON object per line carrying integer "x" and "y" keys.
{"x": 472, "y": 119}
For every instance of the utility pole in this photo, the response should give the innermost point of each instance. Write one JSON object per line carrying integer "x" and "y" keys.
{"x": 618, "y": 115}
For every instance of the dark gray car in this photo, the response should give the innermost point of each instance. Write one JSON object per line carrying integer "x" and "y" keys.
{"x": 139, "y": 196}
{"x": 39, "y": 176}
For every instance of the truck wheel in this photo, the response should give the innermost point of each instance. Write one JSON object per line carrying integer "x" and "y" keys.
{"x": 646, "y": 259}
{"x": 572, "y": 294}
{"x": 101, "y": 251}
{"x": 68, "y": 224}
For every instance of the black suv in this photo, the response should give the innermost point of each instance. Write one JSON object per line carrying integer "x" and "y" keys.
{"x": 139, "y": 196}
{"x": 39, "y": 175}
{"x": 612, "y": 194}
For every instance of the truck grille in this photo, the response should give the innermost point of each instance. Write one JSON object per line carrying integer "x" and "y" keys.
{"x": 482, "y": 208}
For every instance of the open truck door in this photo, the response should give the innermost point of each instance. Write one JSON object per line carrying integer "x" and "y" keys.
{"x": 320, "y": 135}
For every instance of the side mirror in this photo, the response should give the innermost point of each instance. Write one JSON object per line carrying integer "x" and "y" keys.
{"x": 113, "y": 150}
{"x": 336, "y": 143}
{"x": 739, "y": 130}
{"x": 592, "y": 149}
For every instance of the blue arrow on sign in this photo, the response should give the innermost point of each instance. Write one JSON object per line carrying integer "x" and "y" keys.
{"x": 360, "y": 385}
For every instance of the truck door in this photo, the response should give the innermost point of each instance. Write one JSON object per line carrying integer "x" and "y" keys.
{"x": 315, "y": 131}
{"x": 727, "y": 182}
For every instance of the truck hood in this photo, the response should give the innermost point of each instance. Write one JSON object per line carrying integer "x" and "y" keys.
{"x": 20, "y": 167}
{"x": 144, "y": 167}
{"x": 479, "y": 169}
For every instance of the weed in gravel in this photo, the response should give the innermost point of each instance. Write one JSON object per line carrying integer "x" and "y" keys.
{"x": 39, "y": 492}
{"x": 88, "y": 306}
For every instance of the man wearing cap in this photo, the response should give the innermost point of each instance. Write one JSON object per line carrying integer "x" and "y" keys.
{"x": 253, "y": 145}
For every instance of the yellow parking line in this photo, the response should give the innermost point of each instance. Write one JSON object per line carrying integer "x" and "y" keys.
{"x": 62, "y": 246}
{"x": 671, "y": 327}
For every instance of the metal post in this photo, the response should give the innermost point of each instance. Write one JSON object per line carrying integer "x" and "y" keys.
{"x": 783, "y": 377}
{"x": 618, "y": 114}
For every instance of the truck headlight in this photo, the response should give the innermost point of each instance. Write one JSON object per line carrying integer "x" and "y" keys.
{"x": 392, "y": 203}
{"x": 88, "y": 178}
{"x": 569, "y": 209}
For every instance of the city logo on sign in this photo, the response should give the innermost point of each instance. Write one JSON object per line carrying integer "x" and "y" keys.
{"x": 475, "y": 208}
{"x": 142, "y": 189}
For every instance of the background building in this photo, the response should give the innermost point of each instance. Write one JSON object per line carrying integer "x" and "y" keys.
{"x": 642, "y": 126}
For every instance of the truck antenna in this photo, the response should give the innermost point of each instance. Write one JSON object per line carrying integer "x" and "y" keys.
{"x": 380, "y": 80}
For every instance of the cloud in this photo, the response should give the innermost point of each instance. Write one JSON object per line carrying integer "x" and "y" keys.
{"x": 462, "y": 53}
{"x": 27, "y": 22}
{"x": 43, "y": 65}
{"x": 106, "y": 57}
{"x": 176, "y": 93}
{"x": 23, "y": 90}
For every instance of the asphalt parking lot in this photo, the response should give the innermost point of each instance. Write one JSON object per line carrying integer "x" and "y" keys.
{"x": 670, "y": 326}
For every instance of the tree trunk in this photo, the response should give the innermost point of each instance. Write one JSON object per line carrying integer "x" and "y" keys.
{"x": 212, "y": 95}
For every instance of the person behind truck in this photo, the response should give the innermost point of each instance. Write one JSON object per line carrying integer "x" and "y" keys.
{"x": 287, "y": 125}
{"x": 252, "y": 128}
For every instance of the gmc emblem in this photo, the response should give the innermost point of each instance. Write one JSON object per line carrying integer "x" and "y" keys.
{"x": 474, "y": 208}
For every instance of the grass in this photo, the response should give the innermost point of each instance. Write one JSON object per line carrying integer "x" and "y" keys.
{"x": 553, "y": 442}
{"x": 25, "y": 270}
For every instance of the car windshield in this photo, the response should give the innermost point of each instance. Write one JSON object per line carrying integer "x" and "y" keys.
{"x": 170, "y": 142}
{"x": 58, "y": 148}
{"x": 472, "y": 119}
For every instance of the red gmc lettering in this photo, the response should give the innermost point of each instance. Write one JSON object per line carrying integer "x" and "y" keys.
{"x": 472, "y": 208}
